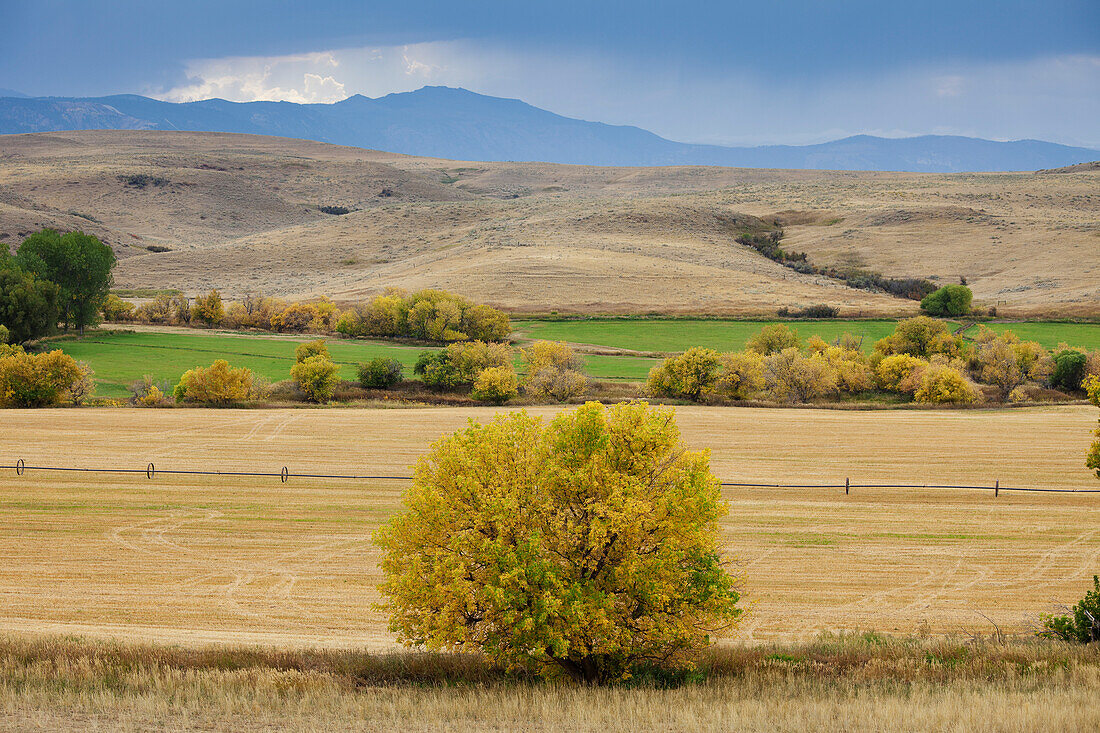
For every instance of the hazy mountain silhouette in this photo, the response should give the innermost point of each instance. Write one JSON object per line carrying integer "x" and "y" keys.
{"x": 462, "y": 125}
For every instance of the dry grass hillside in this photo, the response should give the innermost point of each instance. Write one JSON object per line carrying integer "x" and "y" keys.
{"x": 242, "y": 213}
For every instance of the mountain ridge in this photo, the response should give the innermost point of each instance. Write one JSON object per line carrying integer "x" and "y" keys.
{"x": 458, "y": 124}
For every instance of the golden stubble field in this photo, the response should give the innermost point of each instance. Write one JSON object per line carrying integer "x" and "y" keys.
{"x": 240, "y": 213}
{"x": 200, "y": 559}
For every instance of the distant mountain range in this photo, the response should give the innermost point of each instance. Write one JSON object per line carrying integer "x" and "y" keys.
{"x": 462, "y": 125}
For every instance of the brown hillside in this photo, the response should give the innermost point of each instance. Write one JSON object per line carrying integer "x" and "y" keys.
{"x": 242, "y": 213}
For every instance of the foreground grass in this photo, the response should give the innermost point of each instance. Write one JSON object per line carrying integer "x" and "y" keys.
{"x": 863, "y": 682}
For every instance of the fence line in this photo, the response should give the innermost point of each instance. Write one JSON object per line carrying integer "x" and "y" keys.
{"x": 284, "y": 475}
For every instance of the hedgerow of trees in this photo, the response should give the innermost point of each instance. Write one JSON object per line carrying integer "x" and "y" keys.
{"x": 922, "y": 360}
{"x": 586, "y": 548}
{"x": 427, "y": 315}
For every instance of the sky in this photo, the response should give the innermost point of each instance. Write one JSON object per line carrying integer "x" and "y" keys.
{"x": 770, "y": 71}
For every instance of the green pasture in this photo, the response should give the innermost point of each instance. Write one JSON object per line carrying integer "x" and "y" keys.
{"x": 121, "y": 358}
{"x": 674, "y": 335}
{"x": 1049, "y": 335}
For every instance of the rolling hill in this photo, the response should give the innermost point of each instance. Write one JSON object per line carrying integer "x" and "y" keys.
{"x": 243, "y": 213}
{"x": 458, "y": 124}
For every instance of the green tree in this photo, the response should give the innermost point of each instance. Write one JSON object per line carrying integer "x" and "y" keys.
{"x": 79, "y": 264}
{"x": 950, "y": 300}
{"x": 1083, "y": 623}
{"x": 1069, "y": 370}
{"x": 28, "y": 305}
{"x": 587, "y": 547}
{"x": 382, "y": 372}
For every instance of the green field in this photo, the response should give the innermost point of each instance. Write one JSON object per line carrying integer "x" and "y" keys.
{"x": 1084, "y": 335}
{"x": 121, "y": 358}
{"x": 673, "y": 335}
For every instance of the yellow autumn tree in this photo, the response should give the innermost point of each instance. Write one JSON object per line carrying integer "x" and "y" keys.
{"x": 690, "y": 375}
{"x": 587, "y": 547}
{"x": 554, "y": 371}
{"x": 1092, "y": 460}
{"x": 217, "y": 384}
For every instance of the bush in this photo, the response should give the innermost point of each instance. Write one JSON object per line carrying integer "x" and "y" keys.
{"x": 208, "y": 309}
{"x": 380, "y": 373}
{"x": 921, "y": 336}
{"x": 117, "y": 310}
{"x": 4, "y": 334}
{"x": 496, "y": 385}
{"x": 460, "y": 363}
{"x": 334, "y": 210}
{"x": 585, "y": 548}
{"x": 147, "y": 393}
{"x": 773, "y": 339}
{"x": 853, "y": 373}
{"x": 895, "y": 373}
{"x": 38, "y": 380}
{"x": 791, "y": 377}
{"x": 1006, "y": 362}
{"x": 950, "y": 300}
{"x": 554, "y": 371}
{"x": 740, "y": 375}
{"x": 942, "y": 384}
{"x": 295, "y": 318}
{"x": 217, "y": 384}
{"x": 689, "y": 375}
{"x": 311, "y": 348}
{"x": 317, "y": 377}
{"x": 1083, "y": 626}
{"x": 1069, "y": 370}
{"x": 811, "y": 311}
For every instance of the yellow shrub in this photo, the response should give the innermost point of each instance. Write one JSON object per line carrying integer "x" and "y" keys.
{"x": 894, "y": 372}
{"x": 773, "y": 339}
{"x": 939, "y": 384}
{"x": 496, "y": 385}
{"x": 217, "y": 384}
{"x": 317, "y": 377}
{"x": 311, "y": 348}
{"x": 295, "y": 318}
{"x": 208, "y": 309}
{"x": 740, "y": 375}
{"x": 689, "y": 375}
{"x": 791, "y": 377}
{"x": 38, "y": 380}
{"x": 554, "y": 371}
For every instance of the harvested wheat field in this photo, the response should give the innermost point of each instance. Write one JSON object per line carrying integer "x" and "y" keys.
{"x": 243, "y": 213}
{"x": 196, "y": 559}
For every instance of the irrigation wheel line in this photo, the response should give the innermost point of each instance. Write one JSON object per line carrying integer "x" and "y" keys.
{"x": 284, "y": 475}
